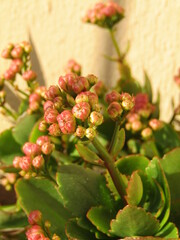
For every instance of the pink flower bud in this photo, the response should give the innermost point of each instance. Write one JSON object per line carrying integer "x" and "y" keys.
{"x": 48, "y": 104}
{"x": 155, "y": 124}
{"x": 16, "y": 162}
{"x": 9, "y": 75}
{"x": 114, "y": 110}
{"x": 96, "y": 118}
{"x": 146, "y": 133}
{"x": 58, "y": 103}
{"x": 43, "y": 126}
{"x": 90, "y": 133}
{"x": 31, "y": 149}
{"x": 93, "y": 98}
{"x": 33, "y": 107}
{"x": 81, "y": 110}
{"x": 50, "y": 115}
{"x": 67, "y": 122}
{"x": 82, "y": 97}
{"x": 29, "y": 75}
{"x": 54, "y": 130}
{"x": 17, "y": 52}
{"x": 41, "y": 90}
{"x": 52, "y": 92}
{"x": 34, "y": 233}
{"x": 47, "y": 148}
{"x": 73, "y": 67}
{"x": 35, "y": 217}
{"x": 113, "y": 96}
{"x": 128, "y": 126}
{"x": 25, "y": 163}
{"x": 80, "y": 131}
{"x": 34, "y": 97}
{"x": 136, "y": 126}
{"x": 41, "y": 140}
{"x": 131, "y": 117}
{"x": 6, "y": 53}
{"x": 38, "y": 161}
{"x": 92, "y": 79}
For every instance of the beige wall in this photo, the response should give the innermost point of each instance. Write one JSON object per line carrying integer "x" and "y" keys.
{"x": 57, "y": 33}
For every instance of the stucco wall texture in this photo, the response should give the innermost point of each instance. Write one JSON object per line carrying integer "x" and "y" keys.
{"x": 57, "y": 33}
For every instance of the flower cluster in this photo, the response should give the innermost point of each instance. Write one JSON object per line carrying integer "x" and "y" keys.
{"x": 71, "y": 108}
{"x": 105, "y": 15}
{"x": 38, "y": 230}
{"x": 73, "y": 67}
{"x": 7, "y": 180}
{"x": 34, "y": 156}
{"x": 118, "y": 104}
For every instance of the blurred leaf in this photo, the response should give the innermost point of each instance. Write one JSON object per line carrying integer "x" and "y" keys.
{"x": 133, "y": 145}
{"x": 147, "y": 86}
{"x": 149, "y": 149}
{"x": 35, "y": 133}
{"x": 134, "y": 221}
{"x": 23, "y": 128}
{"x": 156, "y": 113}
{"x": 169, "y": 231}
{"x": 23, "y": 106}
{"x": 9, "y": 148}
{"x": 41, "y": 194}
{"x": 118, "y": 143}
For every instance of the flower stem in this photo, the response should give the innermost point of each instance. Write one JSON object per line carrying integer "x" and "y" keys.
{"x": 10, "y": 113}
{"x": 114, "y": 137}
{"x": 22, "y": 92}
{"x": 114, "y": 173}
{"x": 115, "y": 43}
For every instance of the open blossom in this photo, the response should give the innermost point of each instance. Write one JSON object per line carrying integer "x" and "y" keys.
{"x": 104, "y": 14}
{"x": 81, "y": 110}
{"x": 73, "y": 67}
{"x": 67, "y": 122}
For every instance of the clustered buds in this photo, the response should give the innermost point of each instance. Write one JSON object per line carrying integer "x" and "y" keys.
{"x": 34, "y": 155}
{"x": 39, "y": 229}
{"x": 73, "y": 67}
{"x": 118, "y": 104}
{"x": 7, "y": 180}
{"x": 105, "y": 15}
{"x": 71, "y": 108}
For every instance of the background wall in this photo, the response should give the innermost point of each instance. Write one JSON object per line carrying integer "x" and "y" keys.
{"x": 57, "y": 34}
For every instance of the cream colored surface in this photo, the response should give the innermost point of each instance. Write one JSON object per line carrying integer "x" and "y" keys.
{"x": 57, "y": 34}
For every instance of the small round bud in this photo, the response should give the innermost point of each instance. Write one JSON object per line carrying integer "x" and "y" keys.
{"x": 38, "y": 161}
{"x": 54, "y": 130}
{"x": 128, "y": 126}
{"x": 26, "y": 46}
{"x": 52, "y": 92}
{"x": 81, "y": 97}
{"x": 92, "y": 79}
{"x": 96, "y": 118}
{"x": 31, "y": 149}
{"x": 9, "y": 75}
{"x": 90, "y": 133}
{"x": 58, "y": 103}
{"x": 6, "y": 53}
{"x": 29, "y": 75}
{"x": 131, "y": 117}
{"x": 80, "y": 131}
{"x": 35, "y": 217}
{"x": 35, "y": 233}
{"x": 16, "y": 65}
{"x": 17, "y": 52}
{"x": 48, "y": 104}
{"x": 47, "y": 148}
{"x": 146, "y": 133}
{"x": 136, "y": 126}
{"x": 43, "y": 126}
{"x": 67, "y": 122}
{"x": 155, "y": 124}
{"x": 33, "y": 107}
{"x": 50, "y": 115}
{"x": 127, "y": 104}
{"x": 16, "y": 162}
{"x": 93, "y": 98}
{"x": 34, "y": 97}
{"x": 73, "y": 67}
{"x": 99, "y": 88}
{"x": 42, "y": 139}
{"x": 25, "y": 163}
{"x": 113, "y": 96}
{"x": 114, "y": 110}
{"x": 81, "y": 110}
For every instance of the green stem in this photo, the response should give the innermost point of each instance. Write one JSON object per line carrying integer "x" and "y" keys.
{"x": 115, "y": 43}
{"x": 114, "y": 173}
{"x": 22, "y": 92}
{"x": 9, "y": 112}
{"x": 114, "y": 137}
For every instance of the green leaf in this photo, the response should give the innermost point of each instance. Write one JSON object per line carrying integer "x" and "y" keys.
{"x": 81, "y": 189}
{"x": 35, "y": 133}
{"x": 171, "y": 166}
{"x": 156, "y": 113}
{"x": 149, "y": 149}
{"x": 23, "y": 128}
{"x": 100, "y": 217}
{"x": 41, "y": 194}
{"x": 9, "y": 148}
{"x": 88, "y": 155}
{"x": 134, "y": 189}
{"x": 133, "y": 145}
{"x": 118, "y": 143}
{"x": 75, "y": 232}
{"x": 127, "y": 165}
{"x": 23, "y": 106}
{"x": 147, "y": 86}
{"x": 134, "y": 221}
{"x": 169, "y": 231}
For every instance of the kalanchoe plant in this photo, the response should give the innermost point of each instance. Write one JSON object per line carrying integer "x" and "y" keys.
{"x": 86, "y": 162}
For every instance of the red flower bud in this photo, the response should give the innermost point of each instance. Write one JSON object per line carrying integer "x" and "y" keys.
{"x": 113, "y": 96}
{"x": 99, "y": 88}
{"x": 17, "y": 52}
{"x": 25, "y": 163}
{"x": 58, "y": 103}
{"x": 73, "y": 67}
{"x": 31, "y": 149}
{"x": 35, "y": 217}
{"x": 136, "y": 125}
{"x": 38, "y": 161}
{"x": 54, "y": 130}
{"x": 41, "y": 140}
{"x": 48, "y": 104}
{"x": 80, "y": 131}
{"x": 33, "y": 107}
{"x": 155, "y": 124}
{"x": 67, "y": 122}
{"x": 50, "y": 115}
{"x": 43, "y": 126}
{"x": 114, "y": 110}
{"x": 9, "y": 75}
{"x": 16, "y": 162}
{"x": 6, "y": 53}
{"x": 81, "y": 110}
{"x": 16, "y": 65}
{"x": 96, "y": 118}
{"x": 29, "y": 75}
{"x": 92, "y": 79}
{"x": 34, "y": 97}
{"x": 52, "y": 92}
{"x": 131, "y": 117}
{"x": 47, "y": 148}
{"x": 35, "y": 233}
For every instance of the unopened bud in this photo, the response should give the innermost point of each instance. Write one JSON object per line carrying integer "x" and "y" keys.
{"x": 42, "y": 139}
{"x": 25, "y": 163}
{"x": 43, "y": 126}
{"x": 54, "y": 130}
{"x": 99, "y": 88}
{"x": 136, "y": 125}
{"x": 146, "y": 133}
{"x": 58, "y": 103}
{"x": 9, "y": 75}
{"x": 67, "y": 122}
{"x": 52, "y": 92}
{"x": 16, "y": 162}
{"x": 92, "y": 79}
{"x": 17, "y": 51}
{"x": 155, "y": 124}
{"x": 50, "y": 115}
{"x": 31, "y": 149}
{"x": 128, "y": 126}
{"x": 70, "y": 100}
{"x": 81, "y": 97}
{"x": 90, "y": 133}
{"x": 38, "y": 161}
{"x": 55, "y": 237}
{"x": 34, "y": 97}
{"x": 80, "y": 131}
{"x": 96, "y": 118}
{"x": 113, "y": 96}
{"x": 47, "y": 148}
{"x": 114, "y": 110}
{"x": 127, "y": 104}
{"x": 81, "y": 110}
{"x": 35, "y": 217}
{"x": 29, "y": 75}
{"x": 26, "y": 46}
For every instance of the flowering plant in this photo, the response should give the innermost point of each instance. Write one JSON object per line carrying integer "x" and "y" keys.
{"x": 86, "y": 162}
